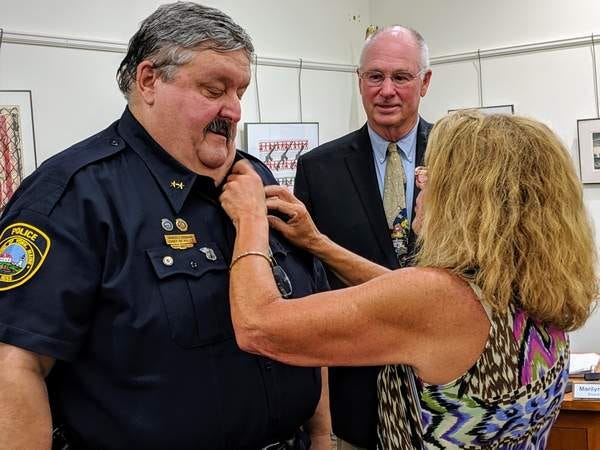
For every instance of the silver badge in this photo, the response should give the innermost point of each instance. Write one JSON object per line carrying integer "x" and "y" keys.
{"x": 166, "y": 224}
{"x": 209, "y": 253}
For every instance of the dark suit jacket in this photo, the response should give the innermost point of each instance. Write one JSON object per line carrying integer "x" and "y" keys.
{"x": 337, "y": 183}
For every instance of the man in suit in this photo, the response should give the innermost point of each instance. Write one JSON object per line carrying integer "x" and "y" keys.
{"x": 342, "y": 184}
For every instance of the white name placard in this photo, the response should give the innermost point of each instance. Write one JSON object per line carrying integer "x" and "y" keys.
{"x": 586, "y": 390}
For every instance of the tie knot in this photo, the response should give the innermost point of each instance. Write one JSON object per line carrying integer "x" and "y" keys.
{"x": 392, "y": 148}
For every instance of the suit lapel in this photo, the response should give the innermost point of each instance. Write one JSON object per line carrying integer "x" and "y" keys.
{"x": 422, "y": 135}
{"x": 423, "y": 130}
{"x": 362, "y": 170}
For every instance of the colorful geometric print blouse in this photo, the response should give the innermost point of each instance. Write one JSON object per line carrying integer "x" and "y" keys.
{"x": 507, "y": 401}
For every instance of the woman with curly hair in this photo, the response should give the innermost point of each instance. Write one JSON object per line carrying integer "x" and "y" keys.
{"x": 473, "y": 337}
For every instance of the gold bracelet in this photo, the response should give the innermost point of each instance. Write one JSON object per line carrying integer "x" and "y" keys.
{"x": 251, "y": 253}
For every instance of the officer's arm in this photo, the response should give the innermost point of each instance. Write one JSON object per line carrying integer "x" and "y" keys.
{"x": 25, "y": 420}
{"x": 319, "y": 425}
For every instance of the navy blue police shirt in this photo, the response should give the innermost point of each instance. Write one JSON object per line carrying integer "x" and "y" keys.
{"x": 114, "y": 260}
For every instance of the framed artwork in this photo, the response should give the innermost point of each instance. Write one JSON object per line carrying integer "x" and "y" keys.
{"x": 278, "y": 146}
{"x": 588, "y": 138}
{"x": 499, "y": 109}
{"x": 18, "y": 156}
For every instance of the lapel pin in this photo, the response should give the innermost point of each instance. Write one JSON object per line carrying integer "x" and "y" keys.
{"x": 181, "y": 224}
{"x": 166, "y": 225}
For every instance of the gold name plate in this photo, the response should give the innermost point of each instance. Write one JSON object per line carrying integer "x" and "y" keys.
{"x": 180, "y": 241}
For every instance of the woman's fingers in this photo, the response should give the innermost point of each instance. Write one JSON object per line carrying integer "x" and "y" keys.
{"x": 243, "y": 193}
{"x": 421, "y": 176}
{"x": 282, "y": 206}
{"x": 283, "y": 192}
{"x": 277, "y": 224}
{"x": 242, "y": 167}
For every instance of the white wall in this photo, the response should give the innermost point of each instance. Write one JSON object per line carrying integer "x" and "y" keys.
{"x": 463, "y": 25}
{"x": 554, "y": 86}
{"x": 74, "y": 91}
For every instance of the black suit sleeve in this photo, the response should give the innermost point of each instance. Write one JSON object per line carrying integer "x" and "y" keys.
{"x": 301, "y": 189}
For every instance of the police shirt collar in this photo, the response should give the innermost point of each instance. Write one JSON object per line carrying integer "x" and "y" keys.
{"x": 174, "y": 179}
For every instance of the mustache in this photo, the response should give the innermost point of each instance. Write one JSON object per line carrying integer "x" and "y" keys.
{"x": 220, "y": 126}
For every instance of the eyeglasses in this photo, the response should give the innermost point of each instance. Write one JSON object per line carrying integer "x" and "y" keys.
{"x": 375, "y": 78}
{"x": 281, "y": 278}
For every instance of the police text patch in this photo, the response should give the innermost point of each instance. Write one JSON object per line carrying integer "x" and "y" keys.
{"x": 23, "y": 249}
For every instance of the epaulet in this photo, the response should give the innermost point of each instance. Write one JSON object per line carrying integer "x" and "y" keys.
{"x": 41, "y": 190}
{"x": 262, "y": 170}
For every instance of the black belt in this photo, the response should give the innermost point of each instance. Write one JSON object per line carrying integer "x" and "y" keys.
{"x": 63, "y": 438}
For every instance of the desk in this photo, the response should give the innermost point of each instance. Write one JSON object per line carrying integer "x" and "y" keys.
{"x": 577, "y": 426}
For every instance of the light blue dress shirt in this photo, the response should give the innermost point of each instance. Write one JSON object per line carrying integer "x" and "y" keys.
{"x": 408, "y": 150}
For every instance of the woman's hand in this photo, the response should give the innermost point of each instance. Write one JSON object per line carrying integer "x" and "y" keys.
{"x": 421, "y": 182}
{"x": 421, "y": 177}
{"x": 299, "y": 227}
{"x": 243, "y": 194}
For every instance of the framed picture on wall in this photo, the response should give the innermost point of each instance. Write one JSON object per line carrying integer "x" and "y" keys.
{"x": 499, "y": 109}
{"x": 280, "y": 144}
{"x": 18, "y": 157}
{"x": 588, "y": 138}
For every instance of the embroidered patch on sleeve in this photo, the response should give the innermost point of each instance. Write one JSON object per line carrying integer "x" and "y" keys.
{"x": 23, "y": 249}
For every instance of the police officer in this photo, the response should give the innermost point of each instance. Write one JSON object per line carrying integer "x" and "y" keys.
{"x": 114, "y": 263}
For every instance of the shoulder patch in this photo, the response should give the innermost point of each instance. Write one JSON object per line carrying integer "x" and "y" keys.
{"x": 23, "y": 249}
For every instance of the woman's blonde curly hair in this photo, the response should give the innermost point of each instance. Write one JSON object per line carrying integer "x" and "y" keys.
{"x": 504, "y": 209}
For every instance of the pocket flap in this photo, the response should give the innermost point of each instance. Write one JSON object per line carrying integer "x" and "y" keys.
{"x": 277, "y": 247}
{"x": 194, "y": 261}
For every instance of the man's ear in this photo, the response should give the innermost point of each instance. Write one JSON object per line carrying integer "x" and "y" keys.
{"x": 359, "y": 82}
{"x": 145, "y": 81}
{"x": 425, "y": 83}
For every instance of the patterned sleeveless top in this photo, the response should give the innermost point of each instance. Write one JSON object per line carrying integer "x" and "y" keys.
{"x": 508, "y": 400}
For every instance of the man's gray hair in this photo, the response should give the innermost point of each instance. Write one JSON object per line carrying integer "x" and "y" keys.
{"x": 424, "y": 49}
{"x": 171, "y": 34}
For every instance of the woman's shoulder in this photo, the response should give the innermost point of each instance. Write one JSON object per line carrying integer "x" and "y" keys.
{"x": 433, "y": 284}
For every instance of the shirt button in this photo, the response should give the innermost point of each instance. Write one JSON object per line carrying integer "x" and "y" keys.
{"x": 114, "y": 142}
{"x": 194, "y": 264}
{"x": 268, "y": 365}
{"x": 168, "y": 261}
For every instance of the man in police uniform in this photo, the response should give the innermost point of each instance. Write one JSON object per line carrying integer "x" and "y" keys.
{"x": 114, "y": 269}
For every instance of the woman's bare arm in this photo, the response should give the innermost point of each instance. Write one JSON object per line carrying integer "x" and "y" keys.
{"x": 427, "y": 318}
{"x": 300, "y": 229}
